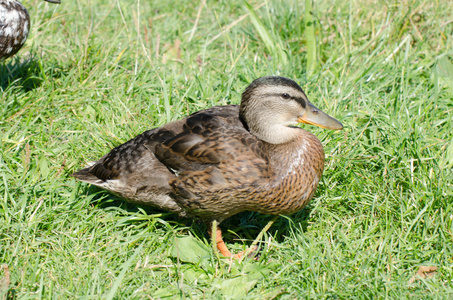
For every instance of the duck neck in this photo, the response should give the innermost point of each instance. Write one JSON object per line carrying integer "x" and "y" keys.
{"x": 303, "y": 156}
{"x": 295, "y": 170}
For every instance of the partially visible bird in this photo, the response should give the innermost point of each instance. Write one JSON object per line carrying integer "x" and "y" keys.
{"x": 224, "y": 160}
{"x": 14, "y": 26}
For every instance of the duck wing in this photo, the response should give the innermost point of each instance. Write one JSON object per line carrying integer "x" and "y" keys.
{"x": 208, "y": 137}
{"x": 214, "y": 156}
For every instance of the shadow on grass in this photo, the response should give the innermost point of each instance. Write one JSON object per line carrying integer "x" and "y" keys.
{"x": 24, "y": 74}
{"x": 104, "y": 199}
{"x": 243, "y": 226}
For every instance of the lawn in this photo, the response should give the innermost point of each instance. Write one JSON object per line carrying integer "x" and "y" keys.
{"x": 94, "y": 74}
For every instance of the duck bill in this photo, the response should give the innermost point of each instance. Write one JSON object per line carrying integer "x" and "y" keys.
{"x": 53, "y": 1}
{"x": 315, "y": 116}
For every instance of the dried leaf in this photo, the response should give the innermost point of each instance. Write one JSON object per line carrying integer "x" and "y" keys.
{"x": 4, "y": 282}
{"x": 423, "y": 272}
{"x": 173, "y": 53}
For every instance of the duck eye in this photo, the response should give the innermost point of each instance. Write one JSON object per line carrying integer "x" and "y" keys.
{"x": 285, "y": 96}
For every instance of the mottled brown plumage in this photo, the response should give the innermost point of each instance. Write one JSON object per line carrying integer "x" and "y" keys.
{"x": 224, "y": 160}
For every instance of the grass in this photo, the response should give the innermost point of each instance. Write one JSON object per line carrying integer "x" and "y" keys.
{"x": 93, "y": 75}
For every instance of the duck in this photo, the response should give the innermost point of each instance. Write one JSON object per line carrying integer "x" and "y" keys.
{"x": 224, "y": 160}
{"x": 14, "y": 26}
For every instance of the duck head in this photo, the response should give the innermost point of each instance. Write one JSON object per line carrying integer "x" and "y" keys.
{"x": 272, "y": 106}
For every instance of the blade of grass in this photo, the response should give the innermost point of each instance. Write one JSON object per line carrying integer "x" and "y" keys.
{"x": 272, "y": 43}
{"x": 310, "y": 38}
{"x": 125, "y": 266}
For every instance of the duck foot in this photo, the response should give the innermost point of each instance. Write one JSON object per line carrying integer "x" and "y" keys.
{"x": 221, "y": 246}
{"x": 217, "y": 240}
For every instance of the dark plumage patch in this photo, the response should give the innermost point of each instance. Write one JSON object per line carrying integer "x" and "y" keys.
{"x": 301, "y": 101}
{"x": 272, "y": 80}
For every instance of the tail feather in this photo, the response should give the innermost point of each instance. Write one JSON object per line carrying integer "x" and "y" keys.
{"x": 86, "y": 176}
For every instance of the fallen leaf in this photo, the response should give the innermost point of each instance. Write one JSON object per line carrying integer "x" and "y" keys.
{"x": 189, "y": 249}
{"x": 235, "y": 288}
{"x": 423, "y": 272}
{"x": 4, "y": 282}
{"x": 173, "y": 53}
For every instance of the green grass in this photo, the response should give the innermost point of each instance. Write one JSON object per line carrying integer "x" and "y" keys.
{"x": 94, "y": 74}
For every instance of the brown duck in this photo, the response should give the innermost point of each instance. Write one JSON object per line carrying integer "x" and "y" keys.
{"x": 224, "y": 160}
